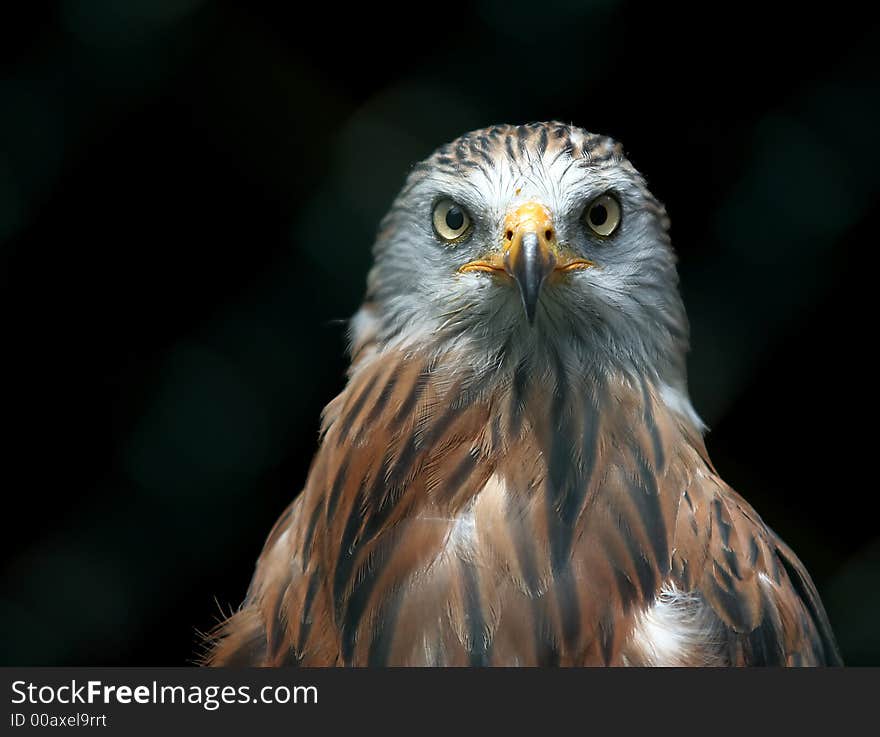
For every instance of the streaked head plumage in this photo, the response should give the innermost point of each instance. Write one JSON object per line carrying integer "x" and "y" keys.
{"x": 514, "y": 239}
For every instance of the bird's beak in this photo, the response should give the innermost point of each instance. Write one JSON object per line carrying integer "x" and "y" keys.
{"x": 529, "y": 259}
{"x": 530, "y": 254}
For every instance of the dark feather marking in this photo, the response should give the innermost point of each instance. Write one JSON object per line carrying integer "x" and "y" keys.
{"x": 645, "y": 573}
{"x": 386, "y": 624}
{"x": 290, "y": 659}
{"x": 404, "y": 465}
{"x": 724, "y": 526}
{"x": 542, "y": 141}
{"x": 754, "y": 551}
{"x": 357, "y": 602}
{"x": 687, "y": 498}
{"x": 764, "y": 642}
{"x": 643, "y": 568}
{"x": 625, "y": 587}
{"x": 647, "y": 498}
{"x": 733, "y": 563}
{"x": 338, "y": 484}
{"x": 277, "y": 634}
{"x": 682, "y": 571}
{"x": 729, "y": 602}
{"x": 496, "y": 432}
{"x": 569, "y": 609}
{"x": 485, "y": 156}
{"x": 406, "y": 461}
{"x": 477, "y": 635}
{"x": 508, "y": 148}
{"x": 606, "y": 636}
{"x": 408, "y": 404}
{"x": 599, "y": 161}
{"x": 525, "y": 552}
{"x": 310, "y": 532}
{"x": 350, "y": 538}
{"x": 459, "y": 475}
{"x": 306, "y": 615}
{"x": 523, "y": 136}
{"x": 569, "y": 480}
{"x": 656, "y": 440}
{"x": 354, "y": 610}
{"x": 565, "y": 485}
{"x": 486, "y": 172}
{"x": 826, "y": 646}
{"x": 382, "y": 498}
{"x": 347, "y": 553}
{"x": 725, "y": 579}
{"x": 351, "y": 415}
{"x": 517, "y": 397}
{"x": 547, "y": 652}
{"x": 379, "y": 406}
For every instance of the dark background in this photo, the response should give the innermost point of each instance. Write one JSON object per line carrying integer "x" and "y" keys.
{"x": 188, "y": 195}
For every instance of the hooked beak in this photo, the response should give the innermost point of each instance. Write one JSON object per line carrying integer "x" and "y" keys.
{"x": 530, "y": 254}
{"x": 529, "y": 260}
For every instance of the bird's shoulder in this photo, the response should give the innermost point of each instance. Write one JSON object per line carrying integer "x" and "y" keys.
{"x": 283, "y": 602}
{"x": 736, "y": 584}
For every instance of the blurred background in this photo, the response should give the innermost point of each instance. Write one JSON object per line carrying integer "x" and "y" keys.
{"x": 188, "y": 195}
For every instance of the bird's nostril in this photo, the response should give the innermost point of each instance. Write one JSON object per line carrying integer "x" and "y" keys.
{"x": 549, "y": 234}
{"x": 509, "y": 235}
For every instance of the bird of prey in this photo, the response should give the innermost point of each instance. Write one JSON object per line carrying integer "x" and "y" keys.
{"x": 514, "y": 473}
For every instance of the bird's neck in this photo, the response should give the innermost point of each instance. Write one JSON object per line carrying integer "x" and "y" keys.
{"x": 560, "y": 358}
{"x": 424, "y": 457}
{"x": 434, "y": 413}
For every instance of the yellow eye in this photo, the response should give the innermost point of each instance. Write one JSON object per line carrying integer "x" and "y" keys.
{"x": 451, "y": 220}
{"x": 603, "y": 215}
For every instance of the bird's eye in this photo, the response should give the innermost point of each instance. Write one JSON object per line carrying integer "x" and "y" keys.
{"x": 451, "y": 220}
{"x": 603, "y": 215}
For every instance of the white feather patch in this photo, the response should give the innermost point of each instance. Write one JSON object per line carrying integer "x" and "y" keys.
{"x": 676, "y": 630}
{"x": 680, "y": 403}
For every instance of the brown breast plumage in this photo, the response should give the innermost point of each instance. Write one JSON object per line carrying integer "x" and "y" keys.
{"x": 452, "y": 520}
